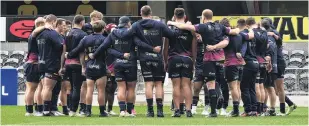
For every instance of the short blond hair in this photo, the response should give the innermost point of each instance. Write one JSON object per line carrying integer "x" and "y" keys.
{"x": 98, "y": 26}
{"x": 96, "y": 14}
{"x": 39, "y": 22}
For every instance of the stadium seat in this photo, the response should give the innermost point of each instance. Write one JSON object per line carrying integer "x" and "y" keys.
{"x": 303, "y": 82}
{"x": 21, "y": 82}
{"x": 306, "y": 63}
{"x": 290, "y": 82}
{"x": 18, "y": 55}
{"x": 20, "y": 69}
{"x": 1, "y": 62}
{"x": 4, "y": 55}
{"x": 12, "y": 62}
{"x": 295, "y": 63}
{"x": 298, "y": 54}
{"x": 286, "y": 54}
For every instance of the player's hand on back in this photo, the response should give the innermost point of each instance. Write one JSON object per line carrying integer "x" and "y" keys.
{"x": 91, "y": 56}
{"x": 157, "y": 49}
{"x": 126, "y": 55}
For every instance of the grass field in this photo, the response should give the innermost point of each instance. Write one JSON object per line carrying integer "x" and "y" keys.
{"x": 13, "y": 115}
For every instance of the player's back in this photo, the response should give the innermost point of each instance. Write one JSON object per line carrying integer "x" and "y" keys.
{"x": 50, "y": 49}
{"x": 92, "y": 42}
{"x": 181, "y": 44}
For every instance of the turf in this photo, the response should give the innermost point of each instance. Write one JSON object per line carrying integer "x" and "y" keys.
{"x": 13, "y": 115}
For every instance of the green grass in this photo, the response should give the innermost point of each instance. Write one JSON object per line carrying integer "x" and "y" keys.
{"x": 13, "y": 115}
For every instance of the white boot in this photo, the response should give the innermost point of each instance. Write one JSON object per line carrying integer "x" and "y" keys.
{"x": 205, "y": 111}
{"x": 193, "y": 110}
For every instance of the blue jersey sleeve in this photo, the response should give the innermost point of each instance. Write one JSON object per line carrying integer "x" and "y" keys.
{"x": 107, "y": 43}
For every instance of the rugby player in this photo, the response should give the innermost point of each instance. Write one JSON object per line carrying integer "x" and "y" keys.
{"x": 271, "y": 59}
{"x": 213, "y": 39}
{"x": 247, "y": 84}
{"x": 111, "y": 84}
{"x": 151, "y": 32}
{"x": 279, "y": 86}
{"x": 95, "y": 68}
{"x": 73, "y": 66}
{"x": 60, "y": 28}
{"x": 125, "y": 66}
{"x": 199, "y": 79}
{"x": 94, "y": 16}
{"x": 233, "y": 66}
{"x": 32, "y": 73}
{"x": 50, "y": 47}
{"x": 180, "y": 61}
{"x": 65, "y": 92}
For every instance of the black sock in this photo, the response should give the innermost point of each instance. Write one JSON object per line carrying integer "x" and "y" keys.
{"x": 47, "y": 106}
{"x": 65, "y": 109}
{"x": 219, "y": 103}
{"x": 35, "y": 107}
{"x": 282, "y": 107}
{"x": 288, "y": 101}
{"x": 29, "y": 108}
{"x": 195, "y": 100}
{"x": 159, "y": 104}
{"x": 150, "y": 104}
{"x": 109, "y": 108}
{"x": 258, "y": 108}
{"x": 82, "y": 106}
{"x": 206, "y": 100}
{"x": 102, "y": 109}
{"x": 129, "y": 107}
{"x": 69, "y": 101}
{"x": 88, "y": 108}
{"x": 122, "y": 105}
{"x": 133, "y": 106}
{"x": 182, "y": 107}
{"x": 40, "y": 108}
{"x": 213, "y": 100}
{"x": 236, "y": 106}
{"x": 262, "y": 107}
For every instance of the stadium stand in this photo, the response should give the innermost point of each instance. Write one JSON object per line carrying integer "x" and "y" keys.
{"x": 290, "y": 82}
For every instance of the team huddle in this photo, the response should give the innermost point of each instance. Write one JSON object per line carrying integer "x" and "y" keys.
{"x": 67, "y": 60}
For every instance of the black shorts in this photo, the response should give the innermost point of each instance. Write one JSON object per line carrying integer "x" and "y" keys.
{"x": 179, "y": 66}
{"x": 261, "y": 74}
{"x": 270, "y": 80}
{"x": 198, "y": 72}
{"x": 153, "y": 70}
{"x": 125, "y": 72}
{"x": 233, "y": 73}
{"x": 95, "y": 73}
{"x": 211, "y": 69}
{"x": 281, "y": 71}
{"x": 32, "y": 72}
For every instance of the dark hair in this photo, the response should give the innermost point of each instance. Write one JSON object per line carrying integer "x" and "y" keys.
{"x": 241, "y": 22}
{"x": 266, "y": 24}
{"x": 78, "y": 19}
{"x": 60, "y": 21}
{"x": 179, "y": 13}
{"x": 250, "y": 21}
{"x": 98, "y": 26}
{"x": 146, "y": 10}
{"x": 217, "y": 21}
{"x": 50, "y": 18}
{"x": 225, "y": 22}
{"x": 67, "y": 22}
